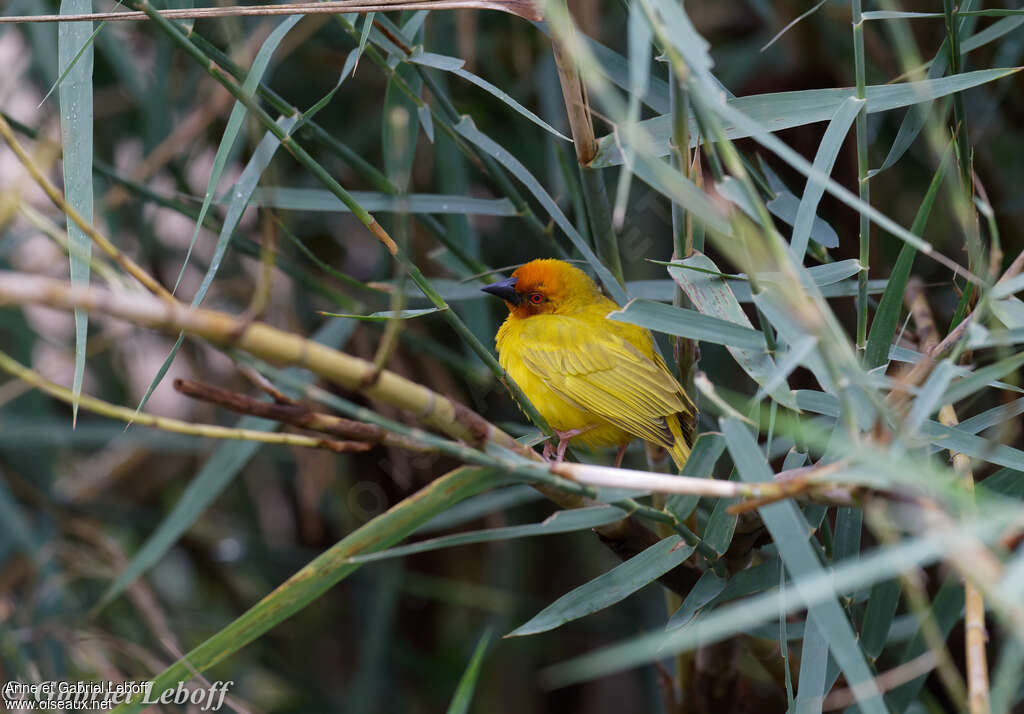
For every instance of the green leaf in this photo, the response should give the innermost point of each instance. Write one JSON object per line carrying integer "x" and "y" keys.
{"x": 784, "y": 110}
{"x": 559, "y": 522}
{"x": 611, "y": 587}
{"x": 75, "y": 56}
{"x": 455, "y": 66}
{"x": 691, "y": 324}
{"x": 464, "y": 692}
{"x": 398, "y": 136}
{"x": 639, "y": 34}
{"x": 707, "y": 589}
{"x": 755, "y": 579}
{"x": 367, "y": 26}
{"x": 878, "y": 617}
{"x": 981, "y": 378}
{"x": 246, "y": 183}
{"x": 713, "y": 296}
{"x": 915, "y": 119}
{"x": 1005, "y": 689}
{"x": 234, "y": 126}
{"x": 790, "y": 532}
{"x": 673, "y": 185}
{"x": 1007, "y": 288}
{"x": 813, "y": 667}
{"x": 472, "y": 508}
{"x": 208, "y": 484}
{"x": 243, "y": 188}
{"x": 824, "y": 160}
{"x": 386, "y": 315}
{"x": 314, "y": 199}
{"x": 974, "y": 446}
{"x": 320, "y": 574}
{"x": 785, "y": 206}
{"x": 929, "y": 396}
{"x": 721, "y": 525}
{"x": 886, "y": 320}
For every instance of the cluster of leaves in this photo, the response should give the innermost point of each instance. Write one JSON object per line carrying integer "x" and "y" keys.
{"x": 867, "y": 395}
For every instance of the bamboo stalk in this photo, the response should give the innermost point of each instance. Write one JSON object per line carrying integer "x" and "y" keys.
{"x": 521, "y": 8}
{"x": 974, "y": 610}
{"x": 269, "y": 343}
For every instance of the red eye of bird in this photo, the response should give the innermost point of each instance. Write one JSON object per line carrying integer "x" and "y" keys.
{"x": 536, "y": 298}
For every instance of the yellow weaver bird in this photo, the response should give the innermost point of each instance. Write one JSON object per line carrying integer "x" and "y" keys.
{"x": 595, "y": 380}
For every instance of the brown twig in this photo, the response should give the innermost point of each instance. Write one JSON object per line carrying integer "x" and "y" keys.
{"x": 293, "y": 413}
{"x": 806, "y": 480}
{"x": 176, "y": 426}
{"x": 520, "y": 8}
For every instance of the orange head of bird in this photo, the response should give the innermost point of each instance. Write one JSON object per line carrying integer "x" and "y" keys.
{"x": 545, "y": 286}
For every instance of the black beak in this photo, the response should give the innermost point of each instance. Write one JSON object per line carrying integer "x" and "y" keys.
{"x": 505, "y": 289}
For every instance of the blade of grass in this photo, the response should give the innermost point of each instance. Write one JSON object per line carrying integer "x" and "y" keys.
{"x": 464, "y": 692}
{"x": 786, "y": 110}
{"x": 690, "y": 324}
{"x": 454, "y": 65}
{"x": 75, "y": 55}
{"x": 639, "y": 34}
{"x": 886, "y": 321}
{"x": 881, "y": 564}
{"x": 234, "y": 126}
{"x": 824, "y": 160}
{"x": 711, "y": 295}
{"x": 789, "y": 531}
{"x": 609, "y": 588}
{"x": 813, "y": 665}
{"x": 309, "y": 199}
{"x": 559, "y": 522}
{"x": 240, "y": 197}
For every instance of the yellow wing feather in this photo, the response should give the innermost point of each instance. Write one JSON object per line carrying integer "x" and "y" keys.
{"x": 601, "y": 372}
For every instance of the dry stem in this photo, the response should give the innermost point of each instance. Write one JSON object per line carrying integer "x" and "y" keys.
{"x": 520, "y": 8}
{"x": 974, "y": 614}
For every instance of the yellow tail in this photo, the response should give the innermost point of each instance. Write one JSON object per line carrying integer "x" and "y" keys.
{"x": 680, "y": 450}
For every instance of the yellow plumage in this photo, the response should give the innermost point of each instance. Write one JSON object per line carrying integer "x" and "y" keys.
{"x": 585, "y": 372}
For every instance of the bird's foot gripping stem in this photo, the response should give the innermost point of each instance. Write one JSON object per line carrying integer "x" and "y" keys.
{"x": 556, "y": 454}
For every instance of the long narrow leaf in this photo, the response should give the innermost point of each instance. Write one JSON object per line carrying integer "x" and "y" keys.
{"x": 75, "y": 56}
{"x": 611, "y": 587}
{"x": 789, "y": 531}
